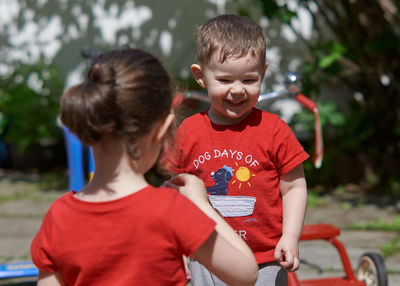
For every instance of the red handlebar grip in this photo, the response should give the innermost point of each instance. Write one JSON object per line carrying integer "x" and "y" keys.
{"x": 308, "y": 103}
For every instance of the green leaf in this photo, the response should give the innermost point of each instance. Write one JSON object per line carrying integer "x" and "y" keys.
{"x": 328, "y": 60}
{"x": 337, "y": 119}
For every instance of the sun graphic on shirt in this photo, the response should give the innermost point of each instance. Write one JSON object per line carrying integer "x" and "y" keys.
{"x": 242, "y": 175}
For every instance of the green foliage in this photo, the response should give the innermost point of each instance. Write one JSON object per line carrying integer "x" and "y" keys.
{"x": 390, "y": 248}
{"x": 315, "y": 200}
{"x": 272, "y": 9}
{"x": 331, "y": 118}
{"x": 29, "y": 104}
{"x": 347, "y": 134}
{"x": 394, "y": 186}
{"x": 380, "y": 224}
{"x": 334, "y": 52}
{"x": 332, "y": 121}
{"x": 364, "y": 57}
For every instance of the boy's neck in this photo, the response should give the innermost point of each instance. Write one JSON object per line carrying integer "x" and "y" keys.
{"x": 219, "y": 119}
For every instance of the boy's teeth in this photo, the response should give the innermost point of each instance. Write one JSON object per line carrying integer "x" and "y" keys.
{"x": 234, "y": 102}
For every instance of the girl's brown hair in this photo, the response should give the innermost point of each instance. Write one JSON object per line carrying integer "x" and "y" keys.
{"x": 125, "y": 92}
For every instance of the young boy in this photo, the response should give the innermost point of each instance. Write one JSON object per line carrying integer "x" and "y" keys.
{"x": 249, "y": 160}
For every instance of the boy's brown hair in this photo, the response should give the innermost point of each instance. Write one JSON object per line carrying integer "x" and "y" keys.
{"x": 229, "y": 35}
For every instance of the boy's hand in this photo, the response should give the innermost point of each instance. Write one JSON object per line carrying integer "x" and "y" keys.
{"x": 287, "y": 254}
{"x": 190, "y": 186}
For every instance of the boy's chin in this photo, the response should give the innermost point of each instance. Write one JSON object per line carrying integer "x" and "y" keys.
{"x": 237, "y": 114}
{"x": 228, "y": 118}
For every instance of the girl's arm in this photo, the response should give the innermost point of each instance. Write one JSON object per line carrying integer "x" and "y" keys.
{"x": 50, "y": 279}
{"x": 224, "y": 253}
{"x": 294, "y": 200}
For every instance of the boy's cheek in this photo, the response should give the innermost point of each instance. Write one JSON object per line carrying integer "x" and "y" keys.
{"x": 257, "y": 89}
{"x": 216, "y": 91}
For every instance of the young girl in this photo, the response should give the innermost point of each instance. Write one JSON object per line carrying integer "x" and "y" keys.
{"x": 119, "y": 230}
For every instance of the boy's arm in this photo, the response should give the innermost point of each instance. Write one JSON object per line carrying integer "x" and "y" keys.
{"x": 294, "y": 200}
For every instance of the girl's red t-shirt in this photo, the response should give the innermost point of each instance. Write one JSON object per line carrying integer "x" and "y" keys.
{"x": 135, "y": 240}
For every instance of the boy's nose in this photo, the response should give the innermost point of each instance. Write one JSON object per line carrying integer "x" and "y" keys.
{"x": 237, "y": 89}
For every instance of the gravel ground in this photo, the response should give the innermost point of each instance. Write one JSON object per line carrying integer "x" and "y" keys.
{"x": 22, "y": 207}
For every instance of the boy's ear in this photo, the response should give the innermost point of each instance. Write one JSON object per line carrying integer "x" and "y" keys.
{"x": 198, "y": 75}
{"x": 164, "y": 126}
{"x": 264, "y": 70}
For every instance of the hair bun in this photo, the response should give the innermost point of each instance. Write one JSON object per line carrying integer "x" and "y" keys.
{"x": 101, "y": 73}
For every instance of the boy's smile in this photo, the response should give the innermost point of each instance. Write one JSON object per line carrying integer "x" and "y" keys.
{"x": 233, "y": 86}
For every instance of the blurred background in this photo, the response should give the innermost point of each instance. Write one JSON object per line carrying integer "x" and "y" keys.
{"x": 346, "y": 53}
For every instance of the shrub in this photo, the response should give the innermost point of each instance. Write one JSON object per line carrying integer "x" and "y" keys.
{"x": 29, "y": 105}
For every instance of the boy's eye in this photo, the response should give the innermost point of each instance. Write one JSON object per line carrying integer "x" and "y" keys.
{"x": 250, "y": 80}
{"x": 224, "y": 80}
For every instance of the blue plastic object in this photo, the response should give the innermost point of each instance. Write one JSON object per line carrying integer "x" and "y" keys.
{"x": 18, "y": 270}
{"x": 91, "y": 164}
{"x": 3, "y": 152}
{"x": 3, "y": 147}
{"x": 76, "y": 162}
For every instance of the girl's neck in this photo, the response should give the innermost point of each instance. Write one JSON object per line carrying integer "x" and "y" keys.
{"x": 115, "y": 174}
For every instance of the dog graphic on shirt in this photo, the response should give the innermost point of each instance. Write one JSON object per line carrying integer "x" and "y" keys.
{"x": 228, "y": 206}
{"x": 222, "y": 178}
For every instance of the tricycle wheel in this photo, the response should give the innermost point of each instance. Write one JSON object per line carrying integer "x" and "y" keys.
{"x": 371, "y": 269}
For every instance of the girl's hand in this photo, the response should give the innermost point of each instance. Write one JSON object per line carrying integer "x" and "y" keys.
{"x": 190, "y": 186}
{"x": 50, "y": 279}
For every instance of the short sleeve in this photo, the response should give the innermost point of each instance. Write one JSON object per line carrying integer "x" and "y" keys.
{"x": 191, "y": 227}
{"x": 41, "y": 247}
{"x": 287, "y": 149}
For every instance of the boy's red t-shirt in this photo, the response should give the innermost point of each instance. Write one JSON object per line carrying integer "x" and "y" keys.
{"x": 136, "y": 240}
{"x": 240, "y": 165}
